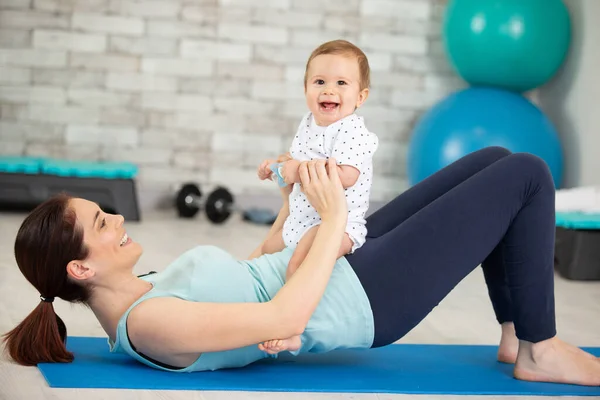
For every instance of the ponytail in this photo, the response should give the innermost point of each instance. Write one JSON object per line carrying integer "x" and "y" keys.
{"x": 40, "y": 338}
{"x": 48, "y": 239}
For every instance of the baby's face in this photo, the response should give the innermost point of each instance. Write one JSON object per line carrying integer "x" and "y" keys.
{"x": 333, "y": 88}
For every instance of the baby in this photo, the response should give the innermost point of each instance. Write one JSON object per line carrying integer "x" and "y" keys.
{"x": 336, "y": 83}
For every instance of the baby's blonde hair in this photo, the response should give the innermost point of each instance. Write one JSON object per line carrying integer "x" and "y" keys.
{"x": 343, "y": 47}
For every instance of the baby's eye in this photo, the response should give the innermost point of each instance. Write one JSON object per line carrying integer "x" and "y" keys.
{"x": 341, "y": 82}
{"x": 320, "y": 82}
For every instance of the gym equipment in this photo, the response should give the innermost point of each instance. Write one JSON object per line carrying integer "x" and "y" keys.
{"x": 218, "y": 206}
{"x": 474, "y": 118}
{"x": 397, "y": 368}
{"x": 512, "y": 44}
{"x": 577, "y": 246}
{"x": 260, "y": 216}
{"x": 25, "y": 182}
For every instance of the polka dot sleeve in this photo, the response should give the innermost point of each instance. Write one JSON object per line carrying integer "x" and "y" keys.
{"x": 353, "y": 147}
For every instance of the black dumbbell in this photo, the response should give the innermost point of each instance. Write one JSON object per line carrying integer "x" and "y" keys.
{"x": 218, "y": 206}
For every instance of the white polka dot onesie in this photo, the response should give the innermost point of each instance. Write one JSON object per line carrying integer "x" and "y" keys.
{"x": 350, "y": 143}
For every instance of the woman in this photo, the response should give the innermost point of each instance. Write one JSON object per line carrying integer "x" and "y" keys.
{"x": 209, "y": 311}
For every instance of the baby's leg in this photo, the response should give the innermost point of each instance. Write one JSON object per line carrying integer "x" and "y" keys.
{"x": 274, "y": 244}
{"x": 346, "y": 246}
{"x": 301, "y": 251}
{"x": 276, "y": 345}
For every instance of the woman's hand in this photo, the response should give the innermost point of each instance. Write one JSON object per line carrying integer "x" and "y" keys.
{"x": 322, "y": 186}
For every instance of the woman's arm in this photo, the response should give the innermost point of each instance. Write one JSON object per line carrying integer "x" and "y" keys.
{"x": 174, "y": 326}
{"x": 347, "y": 173}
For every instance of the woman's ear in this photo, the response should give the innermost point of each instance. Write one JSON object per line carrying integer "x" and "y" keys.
{"x": 78, "y": 271}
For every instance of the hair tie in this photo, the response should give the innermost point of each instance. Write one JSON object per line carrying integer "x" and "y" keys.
{"x": 47, "y": 299}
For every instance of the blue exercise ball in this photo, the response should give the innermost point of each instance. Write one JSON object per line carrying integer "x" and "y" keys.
{"x": 478, "y": 117}
{"x": 511, "y": 44}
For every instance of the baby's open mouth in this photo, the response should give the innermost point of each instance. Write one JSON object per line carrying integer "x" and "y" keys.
{"x": 328, "y": 106}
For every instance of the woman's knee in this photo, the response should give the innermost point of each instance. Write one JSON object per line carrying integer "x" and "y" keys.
{"x": 497, "y": 151}
{"x": 533, "y": 168}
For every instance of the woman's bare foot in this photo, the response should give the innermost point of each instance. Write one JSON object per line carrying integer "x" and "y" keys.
{"x": 509, "y": 344}
{"x": 277, "y": 345}
{"x": 555, "y": 361}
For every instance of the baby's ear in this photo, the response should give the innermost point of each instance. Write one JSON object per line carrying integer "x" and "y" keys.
{"x": 362, "y": 97}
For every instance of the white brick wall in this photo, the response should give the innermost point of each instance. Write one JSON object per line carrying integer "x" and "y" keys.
{"x": 16, "y": 4}
{"x": 103, "y": 62}
{"x": 101, "y": 135}
{"x": 174, "y": 102}
{"x": 178, "y": 29}
{"x": 14, "y": 38}
{"x": 143, "y": 46}
{"x": 150, "y": 8}
{"x": 176, "y": 67}
{"x": 32, "y": 94}
{"x": 33, "y": 58}
{"x": 60, "y": 40}
{"x": 99, "y": 98}
{"x": 253, "y": 33}
{"x": 108, "y": 24}
{"x": 13, "y": 75}
{"x": 68, "y": 6}
{"x": 74, "y": 78}
{"x": 205, "y": 89}
{"x": 32, "y": 20}
{"x": 210, "y": 50}
{"x": 140, "y": 82}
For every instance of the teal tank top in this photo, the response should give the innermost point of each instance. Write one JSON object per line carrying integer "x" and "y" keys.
{"x": 343, "y": 319}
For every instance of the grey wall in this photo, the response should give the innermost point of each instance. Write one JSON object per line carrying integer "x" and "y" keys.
{"x": 571, "y": 99}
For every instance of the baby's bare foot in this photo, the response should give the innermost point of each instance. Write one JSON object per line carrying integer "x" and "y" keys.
{"x": 278, "y": 345}
{"x": 556, "y": 361}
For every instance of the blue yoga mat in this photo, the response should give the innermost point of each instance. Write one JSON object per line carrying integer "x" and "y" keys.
{"x": 405, "y": 368}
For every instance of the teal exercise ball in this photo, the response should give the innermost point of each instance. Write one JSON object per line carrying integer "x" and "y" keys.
{"x": 475, "y": 118}
{"x": 516, "y": 45}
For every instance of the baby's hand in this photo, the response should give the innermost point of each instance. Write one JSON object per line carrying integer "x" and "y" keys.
{"x": 289, "y": 171}
{"x": 264, "y": 172}
{"x": 284, "y": 157}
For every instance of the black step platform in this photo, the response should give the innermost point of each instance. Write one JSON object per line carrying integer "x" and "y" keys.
{"x": 26, "y": 182}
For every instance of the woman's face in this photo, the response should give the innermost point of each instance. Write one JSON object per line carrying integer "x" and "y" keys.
{"x": 110, "y": 249}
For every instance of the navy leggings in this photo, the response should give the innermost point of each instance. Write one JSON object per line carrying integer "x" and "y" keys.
{"x": 491, "y": 208}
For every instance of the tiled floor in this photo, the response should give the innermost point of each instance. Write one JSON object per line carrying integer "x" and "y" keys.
{"x": 464, "y": 317}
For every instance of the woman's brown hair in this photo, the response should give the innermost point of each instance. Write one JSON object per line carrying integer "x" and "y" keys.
{"x": 48, "y": 239}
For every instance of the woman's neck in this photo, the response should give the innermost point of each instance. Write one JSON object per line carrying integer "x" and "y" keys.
{"x": 109, "y": 302}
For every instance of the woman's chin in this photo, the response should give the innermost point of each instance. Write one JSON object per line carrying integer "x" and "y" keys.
{"x": 133, "y": 249}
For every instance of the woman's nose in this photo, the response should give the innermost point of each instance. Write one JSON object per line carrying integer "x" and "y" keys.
{"x": 119, "y": 220}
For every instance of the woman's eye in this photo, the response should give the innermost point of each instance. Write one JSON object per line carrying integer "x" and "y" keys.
{"x": 103, "y": 223}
